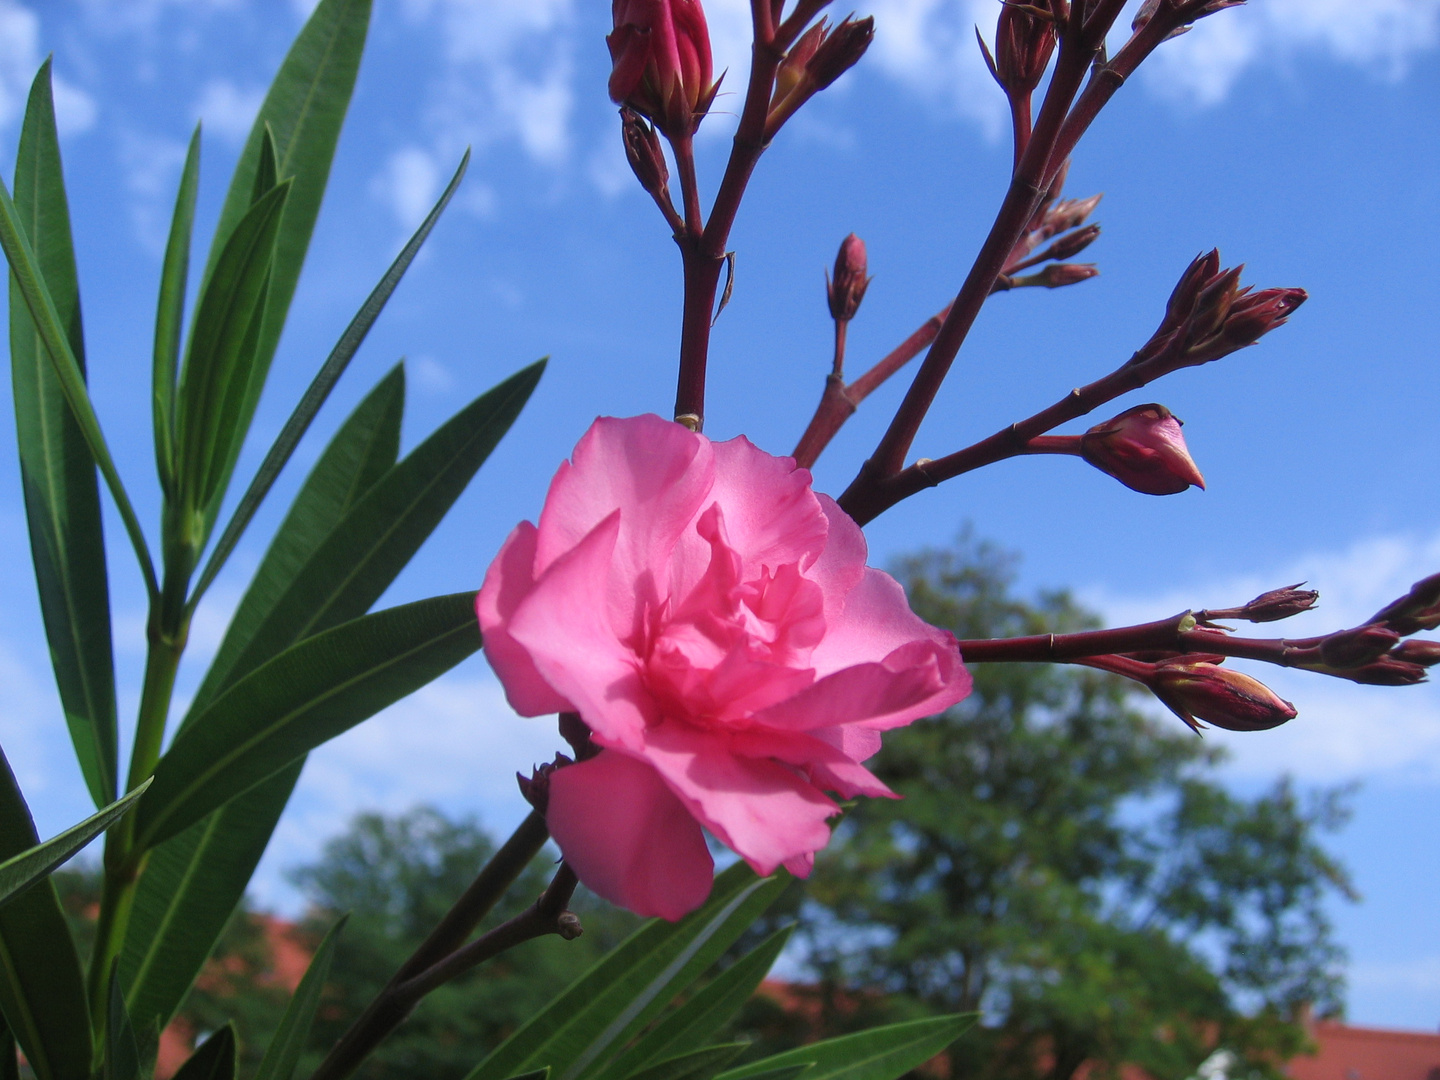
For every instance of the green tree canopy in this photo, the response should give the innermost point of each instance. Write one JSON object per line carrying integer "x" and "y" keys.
{"x": 1067, "y": 863}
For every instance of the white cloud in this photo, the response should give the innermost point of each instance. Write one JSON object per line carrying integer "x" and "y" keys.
{"x": 152, "y": 170}
{"x": 409, "y": 184}
{"x": 929, "y": 46}
{"x": 20, "y": 58}
{"x": 1383, "y": 36}
{"x": 1344, "y": 731}
{"x": 454, "y": 743}
{"x": 506, "y": 76}
{"x": 228, "y": 110}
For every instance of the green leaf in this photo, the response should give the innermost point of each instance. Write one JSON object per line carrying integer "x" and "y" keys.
{"x": 882, "y": 1053}
{"x": 696, "y": 1065}
{"x": 284, "y": 1050}
{"x": 313, "y": 691}
{"x": 319, "y": 390}
{"x": 170, "y": 315}
{"x": 357, "y": 562}
{"x": 214, "y": 1059}
{"x": 62, "y": 498}
{"x": 617, "y": 997}
{"x": 42, "y": 990}
{"x": 220, "y": 365}
{"x": 784, "y": 1072}
{"x": 19, "y": 872}
{"x": 705, "y": 1013}
{"x": 534, "y": 1074}
{"x": 122, "y": 1053}
{"x": 193, "y": 881}
{"x": 267, "y": 167}
{"x": 28, "y": 281}
{"x": 304, "y": 110}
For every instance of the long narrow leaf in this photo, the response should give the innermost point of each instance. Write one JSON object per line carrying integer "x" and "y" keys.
{"x": 220, "y": 360}
{"x": 284, "y": 1050}
{"x": 304, "y": 109}
{"x": 122, "y": 1053}
{"x": 882, "y": 1053}
{"x": 705, "y": 1013}
{"x": 193, "y": 881}
{"x": 319, "y": 390}
{"x": 42, "y": 990}
{"x": 9, "y": 1062}
{"x": 214, "y": 1059}
{"x": 170, "y": 315}
{"x": 62, "y": 498}
{"x": 19, "y": 872}
{"x": 696, "y": 1065}
{"x": 624, "y": 991}
{"x": 50, "y": 329}
{"x": 362, "y": 556}
{"x": 310, "y": 693}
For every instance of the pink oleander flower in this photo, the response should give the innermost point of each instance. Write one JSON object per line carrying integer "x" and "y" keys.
{"x": 662, "y": 67}
{"x": 713, "y": 622}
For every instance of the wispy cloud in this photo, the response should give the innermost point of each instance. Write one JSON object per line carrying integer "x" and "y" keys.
{"x": 228, "y": 110}
{"x": 1381, "y": 36}
{"x": 20, "y": 58}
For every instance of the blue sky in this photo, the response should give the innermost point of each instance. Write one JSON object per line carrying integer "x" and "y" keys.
{"x": 1300, "y": 136}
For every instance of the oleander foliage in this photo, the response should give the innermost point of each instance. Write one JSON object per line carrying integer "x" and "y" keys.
{"x": 304, "y": 659}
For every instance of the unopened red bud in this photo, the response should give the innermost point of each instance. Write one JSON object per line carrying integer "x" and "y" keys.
{"x": 1058, "y": 275}
{"x": 1387, "y": 671}
{"x": 1024, "y": 40}
{"x": 1358, "y": 647}
{"x": 1279, "y": 604}
{"x": 792, "y": 68}
{"x": 1143, "y": 449}
{"x": 535, "y": 788}
{"x": 662, "y": 66}
{"x": 1417, "y": 610}
{"x": 643, "y": 151}
{"x": 1254, "y": 315}
{"x": 1200, "y": 272}
{"x": 1424, "y": 653}
{"x": 1212, "y": 305}
{"x": 847, "y": 288}
{"x": 1069, "y": 246}
{"x": 1219, "y": 695}
{"x": 840, "y": 50}
{"x": 1069, "y": 213}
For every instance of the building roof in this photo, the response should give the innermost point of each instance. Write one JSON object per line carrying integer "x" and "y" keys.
{"x": 1362, "y": 1053}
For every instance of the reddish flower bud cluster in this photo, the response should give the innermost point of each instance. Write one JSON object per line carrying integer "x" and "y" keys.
{"x": 1053, "y": 218}
{"x": 1210, "y": 315}
{"x": 643, "y": 151}
{"x": 662, "y": 66}
{"x": 816, "y": 60}
{"x": 1024, "y": 42}
{"x": 1417, "y": 610}
{"x": 847, "y": 287}
{"x": 1279, "y": 604}
{"x": 1143, "y": 449}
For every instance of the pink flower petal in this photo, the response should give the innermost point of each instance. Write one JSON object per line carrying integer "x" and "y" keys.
{"x": 842, "y": 564}
{"x": 627, "y": 836}
{"x": 826, "y": 763}
{"x": 507, "y": 581}
{"x": 920, "y": 678}
{"x": 763, "y": 811}
{"x": 658, "y": 473}
{"x": 564, "y": 625}
{"x": 771, "y": 515}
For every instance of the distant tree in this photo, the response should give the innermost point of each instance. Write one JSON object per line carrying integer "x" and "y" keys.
{"x": 1069, "y": 867}
{"x": 397, "y": 875}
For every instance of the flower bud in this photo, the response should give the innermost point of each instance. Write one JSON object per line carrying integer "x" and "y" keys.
{"x": 1387, "y": 671}
{"x": 1419, "y": 609}
{"x": 1219, "y": 695}
{"x": 643, "y": 151}
{"x": 1067, "y": 247}
{"x": 840, "y": 50}
{"x": 662, "y": 66}
{"x": 792, "y": 69}
{"x": 1358, "y": 647}
{"x": 535, "y": 789}
{"x": 1144, "y": 450}
{"x": 1424, "y": 653}
{"x": 1279, "y": 604}
{"x": 1024, "y": 41}
{"x": 847, "y": 288}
